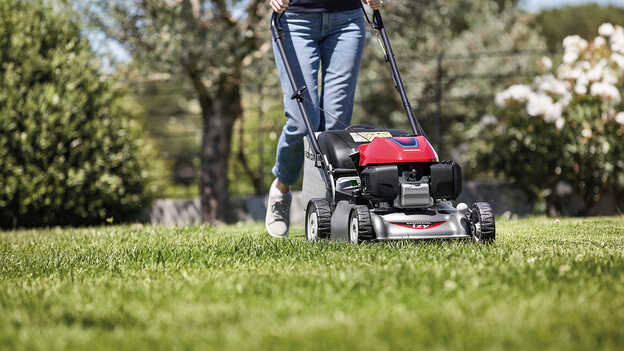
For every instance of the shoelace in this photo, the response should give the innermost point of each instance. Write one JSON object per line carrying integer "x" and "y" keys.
{"x": 280, "y": 210}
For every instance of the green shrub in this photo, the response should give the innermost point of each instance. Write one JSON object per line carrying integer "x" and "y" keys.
{"x": 69, "y": 153}
{"x": 563, "y": 135}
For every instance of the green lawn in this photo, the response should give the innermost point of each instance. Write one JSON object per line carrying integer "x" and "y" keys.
{"x": 542, "y": 285}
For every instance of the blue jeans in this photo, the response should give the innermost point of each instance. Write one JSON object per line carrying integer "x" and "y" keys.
{"x": 332, "y": 42}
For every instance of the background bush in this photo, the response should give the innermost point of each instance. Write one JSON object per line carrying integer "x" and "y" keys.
{"x": 69, "y": 153}
{"x": 563, "y": 135}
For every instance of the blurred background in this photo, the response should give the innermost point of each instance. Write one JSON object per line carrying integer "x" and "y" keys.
{"x": 169, "y": 110}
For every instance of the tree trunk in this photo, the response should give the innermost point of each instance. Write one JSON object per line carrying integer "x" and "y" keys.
{"x": 254, "y": 175}
{"x": 219, "y": 116}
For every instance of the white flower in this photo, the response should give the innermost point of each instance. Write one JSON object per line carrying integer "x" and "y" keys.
{"x": 549, "y": 83}
{"x": 488, "y": 120}
{"x": 546, "y": 63}
{"x": 618, "y": 59}
{"x": 586, "y": 69}
{"x": 518, "y": 93}
{"x": 595, "y": 74}
{"x": 609, "y": 76}
{"x": 606, "y": 92}
{"x": 574, "y": 43}
{"x": 617, "y": 40}
{"x": 570, "y": 56}
{"x": 584, "y": 65}
{"x": 538, "y": 105}
{"x": 570, "y": 72}
{"x": 553, "y": 112}
{"x": 606, "y": 29}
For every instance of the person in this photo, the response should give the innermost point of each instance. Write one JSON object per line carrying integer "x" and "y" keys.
{"x": 320, "y": 35}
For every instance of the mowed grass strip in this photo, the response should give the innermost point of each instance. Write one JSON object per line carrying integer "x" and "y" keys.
{"x": 542, "y": 285}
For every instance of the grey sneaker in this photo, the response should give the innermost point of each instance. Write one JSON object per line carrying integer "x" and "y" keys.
{"x": 278, "y": 212}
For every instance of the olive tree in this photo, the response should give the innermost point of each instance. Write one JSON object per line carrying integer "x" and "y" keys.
{"x": 207, "y": 42}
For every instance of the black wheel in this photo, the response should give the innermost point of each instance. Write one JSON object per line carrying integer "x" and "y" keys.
{"x": 318, "y": 220}
{"x": 360, "y": 226}
{"x": 482, "y": 220}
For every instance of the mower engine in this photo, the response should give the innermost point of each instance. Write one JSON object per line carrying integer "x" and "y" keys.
{"x": 404, "y": 172}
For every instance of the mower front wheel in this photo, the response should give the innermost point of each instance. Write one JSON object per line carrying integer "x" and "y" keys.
{"x": 482, "y": 220}
{"x": 360, "y": 226}
{"x": 318, "y": 220}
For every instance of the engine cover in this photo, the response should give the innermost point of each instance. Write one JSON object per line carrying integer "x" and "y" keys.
{"x": 381, "y": 182}
{"x": 397, "y": 150}
{"x": 446, "y": 180}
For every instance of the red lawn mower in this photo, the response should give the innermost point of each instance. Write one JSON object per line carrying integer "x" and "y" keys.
{"x": 363, "y": 183}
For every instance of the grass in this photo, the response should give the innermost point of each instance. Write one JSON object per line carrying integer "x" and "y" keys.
{"x": 542, "y": 285}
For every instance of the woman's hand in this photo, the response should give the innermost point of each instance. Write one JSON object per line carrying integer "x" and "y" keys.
{"x": 279, "y": 6}
{"x": 374, "y": 4}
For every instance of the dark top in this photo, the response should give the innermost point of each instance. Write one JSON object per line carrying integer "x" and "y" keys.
{"x": 323, "y": 5}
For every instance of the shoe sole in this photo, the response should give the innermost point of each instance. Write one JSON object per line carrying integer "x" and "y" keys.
{"x": 266, "y": 226}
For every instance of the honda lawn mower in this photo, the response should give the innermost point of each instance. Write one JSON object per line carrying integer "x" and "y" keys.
{"x": 364, "y": 183}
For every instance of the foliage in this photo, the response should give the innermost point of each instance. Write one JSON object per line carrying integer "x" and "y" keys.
{"x": 558, "y": 23}
{"x": 171, "y": 116}
{"x": 207, "y": 42}
{"x": 462, "y": 33}
{"x": 69, "y": 153}
{"x": 566, "y": 128}
{"x": 541, "y": 286}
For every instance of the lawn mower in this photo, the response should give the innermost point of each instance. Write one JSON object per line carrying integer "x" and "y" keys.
{"x": 369, "y": 184}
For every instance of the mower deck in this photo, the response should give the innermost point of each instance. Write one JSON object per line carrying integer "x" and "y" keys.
{"x": 440, "y": 222}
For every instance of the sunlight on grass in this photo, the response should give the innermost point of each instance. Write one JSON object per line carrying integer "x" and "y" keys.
{"x": 542, "y": 285}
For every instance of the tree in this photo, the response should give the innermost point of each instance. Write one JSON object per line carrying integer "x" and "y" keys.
{"x": 555, "y": 24}
{"x": 207, "y": 41}
{"x": 69, "y": 152}
{"x": 443, "y": 46}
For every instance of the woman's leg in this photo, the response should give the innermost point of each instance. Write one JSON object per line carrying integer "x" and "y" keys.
{"x": 302, "y": 34}
{"x": 301, "y": 37}
{"x": 341, "y": 54}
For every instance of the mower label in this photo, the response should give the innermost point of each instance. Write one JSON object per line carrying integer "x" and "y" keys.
{"x": 364, "y": 137}
{"x": 419, "y": 225}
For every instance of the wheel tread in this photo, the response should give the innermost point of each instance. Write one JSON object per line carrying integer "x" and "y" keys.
{"x": 482, "y": 213}
{"x": 366, "y": 231}
{"x": 323, "y": 216}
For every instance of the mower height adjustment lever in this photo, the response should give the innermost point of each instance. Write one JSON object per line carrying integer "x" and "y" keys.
{"x": 298, "y": 95}
{"x": 317, "y": 158}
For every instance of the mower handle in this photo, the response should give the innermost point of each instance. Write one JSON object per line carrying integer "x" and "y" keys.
{"x": 378, "y": 25}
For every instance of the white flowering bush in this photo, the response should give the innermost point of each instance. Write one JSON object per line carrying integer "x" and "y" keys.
{"x": 567, "y": 126}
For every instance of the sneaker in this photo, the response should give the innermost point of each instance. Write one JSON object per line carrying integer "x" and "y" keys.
{"x": 278, "y": 212}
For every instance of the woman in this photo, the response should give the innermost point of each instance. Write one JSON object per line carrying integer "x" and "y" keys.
{"x": 320, "y": 35}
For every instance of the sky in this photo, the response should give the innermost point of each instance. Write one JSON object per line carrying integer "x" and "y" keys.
{"x": 536, "y": 5}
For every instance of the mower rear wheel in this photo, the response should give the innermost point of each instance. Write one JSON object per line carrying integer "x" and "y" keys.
{"x": 482, "y": 220}
{"x": 360, "y": 226}
{"x": 318, "y": 220}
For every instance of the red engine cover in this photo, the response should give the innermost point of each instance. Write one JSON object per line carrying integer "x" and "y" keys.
{"x": 397, "y": 150}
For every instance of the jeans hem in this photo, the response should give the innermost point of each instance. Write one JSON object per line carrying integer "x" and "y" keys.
{"x": 282, "y": 179}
